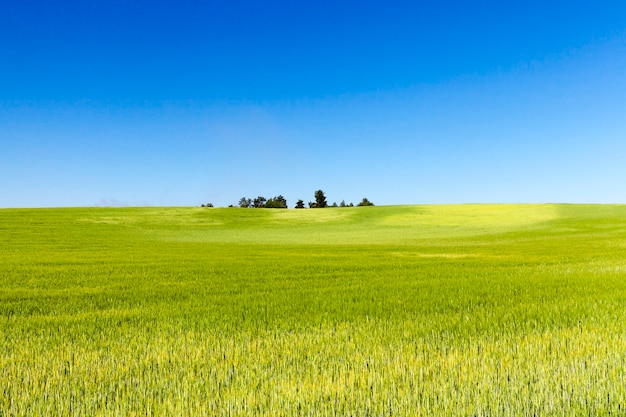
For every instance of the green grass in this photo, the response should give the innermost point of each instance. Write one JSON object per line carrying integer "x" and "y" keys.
{"x": 484, "y": 310}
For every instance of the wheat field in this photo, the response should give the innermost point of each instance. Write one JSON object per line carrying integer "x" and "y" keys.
{"x": 460, "y": 310}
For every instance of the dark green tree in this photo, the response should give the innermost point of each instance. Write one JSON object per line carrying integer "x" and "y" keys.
{"x": 365, "y": 202}
{"x": 245, "y": 202}
{"x": 320, "y": 199}
{"x": 259, "y": 202}
{"x": 300, "y": 204}
{"x": 276, "y": 202}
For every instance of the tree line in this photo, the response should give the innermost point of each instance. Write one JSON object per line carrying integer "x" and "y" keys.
{"x": 280, "y": 202}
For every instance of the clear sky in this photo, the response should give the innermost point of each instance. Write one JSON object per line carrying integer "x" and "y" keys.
{"x": 136, "y": 102}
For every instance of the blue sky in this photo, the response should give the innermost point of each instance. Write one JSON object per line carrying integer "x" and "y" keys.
{"x": 184, "y": 103}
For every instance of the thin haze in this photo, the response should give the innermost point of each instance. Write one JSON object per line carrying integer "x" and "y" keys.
{"x": 185, "y": 103}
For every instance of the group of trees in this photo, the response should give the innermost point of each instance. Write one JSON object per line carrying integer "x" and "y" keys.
{"x": 281, "y": 202}
{"x": 320, "y": 201}
{"x": 262, "y": 202}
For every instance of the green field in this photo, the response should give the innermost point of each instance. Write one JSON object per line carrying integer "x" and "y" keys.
{"x": 487, "y": 310}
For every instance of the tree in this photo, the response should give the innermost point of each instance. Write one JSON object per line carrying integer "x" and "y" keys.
{"x": 259, "y": 202}
{"x": 334, "y": 204}
{"x": 365, "y": 202}
{"x": 276, "y": 202}
{"x": 281, "y": 200}
{"x": 245, "y": 202}
{"x": 320, "y": 199}
{"x": 300, "y": 204}
{"x": 342, "y": 204}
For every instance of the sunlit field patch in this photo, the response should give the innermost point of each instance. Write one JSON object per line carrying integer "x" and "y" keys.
{"x": 409, "y": 310}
